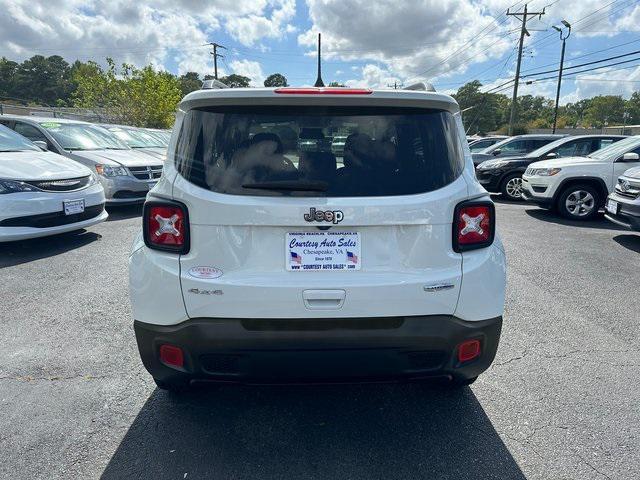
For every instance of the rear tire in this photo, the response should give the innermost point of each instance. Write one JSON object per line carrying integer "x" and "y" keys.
{"x": 511, "y": 187}
{"x": 173, "y": 386}
{"x": 579, "y": 202}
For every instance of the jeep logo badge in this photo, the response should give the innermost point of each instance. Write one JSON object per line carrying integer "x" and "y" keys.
{"x": 331, "y": 216}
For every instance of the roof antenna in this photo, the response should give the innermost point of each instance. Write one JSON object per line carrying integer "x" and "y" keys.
{"x": 319, "y": 82}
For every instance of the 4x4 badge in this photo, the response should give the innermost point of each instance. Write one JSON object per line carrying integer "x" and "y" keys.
{"x": 331, "y": 216}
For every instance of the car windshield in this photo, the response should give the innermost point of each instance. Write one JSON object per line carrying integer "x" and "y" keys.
{"x": 80, "y": 136}
{"x": 162, "y": 138}
{"x": 290, "y": 150}
{"x": 136, "y": 138}
{"x": 617, "y": 149}
{"x": 11, "y": 141}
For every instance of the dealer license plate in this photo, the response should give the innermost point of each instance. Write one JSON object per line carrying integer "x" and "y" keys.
{"x": 323, "y": 251}
{"x": 612, "y": 207}
{"x": 72, "y": 207}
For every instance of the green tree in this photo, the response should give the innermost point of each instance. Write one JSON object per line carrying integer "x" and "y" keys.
{"x": 8, "y": 70}
{"x": 483, "y": 110}
{"x": 336, "y": 84}
{"x": 632, "y": 107}
{"x": 575, "y": 112}
{"x": 44, "y": 80}
{"x": 538, "y": 110}
{"x": 236, "y": 81}
{"x": 189, "y": 82}
{"x": 142, "y": 97}
{"x": 276, "y": 80}
{"x": 605, "y": 110}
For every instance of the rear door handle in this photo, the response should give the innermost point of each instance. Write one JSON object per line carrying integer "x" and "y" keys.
{"x": 323, "y": 299}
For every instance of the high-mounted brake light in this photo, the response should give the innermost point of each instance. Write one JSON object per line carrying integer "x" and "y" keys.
{"x": 323, "y": 91}
{"x": 166, "y": 226}
{"x": 474, "y": 225}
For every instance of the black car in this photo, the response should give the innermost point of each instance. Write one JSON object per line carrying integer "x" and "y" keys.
{"x": 504, "y": 175}
{"x": 518, "y": 145}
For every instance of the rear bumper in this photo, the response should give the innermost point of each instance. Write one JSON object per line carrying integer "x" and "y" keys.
{"x": 318, "y": 350}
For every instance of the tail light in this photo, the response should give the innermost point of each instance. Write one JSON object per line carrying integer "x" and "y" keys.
{"x": 474, "y": 225}
{"x": 165, "y": 225}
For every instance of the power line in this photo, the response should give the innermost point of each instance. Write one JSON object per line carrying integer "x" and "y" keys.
{"x": 595, "y": 68}
{"x": 546, "y": 37}
{"x": 582, "y": 19}
{"x": 474, "y": 38}
{"x": 586, "y": 54}
{"x": 583, "y": 64}
{"x": 535, "y": 80}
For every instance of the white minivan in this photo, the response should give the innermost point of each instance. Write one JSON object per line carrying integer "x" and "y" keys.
{"x": 260, "y": 261}
{"x": 42, "y": 193}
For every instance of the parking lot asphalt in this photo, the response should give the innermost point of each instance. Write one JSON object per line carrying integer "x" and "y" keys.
{"x": 560, "y": 401}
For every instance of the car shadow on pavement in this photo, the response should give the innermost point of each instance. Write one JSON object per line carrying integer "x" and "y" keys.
{"x": 629, "y": 241}
{"x": 124, "y": 212}
{"x": 342, "y": 431}
{"x": 548, "y": 216}
{"x": 23, "y": 251}
{"x": 503, "y": 200}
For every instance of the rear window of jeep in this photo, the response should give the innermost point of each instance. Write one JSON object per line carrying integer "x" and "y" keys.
{"x": 319, "y": 151}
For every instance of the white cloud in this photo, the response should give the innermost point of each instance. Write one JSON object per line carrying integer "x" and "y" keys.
{"x": 250, "y": 69}
{"x": 630, "y": 21}
{"x": 374, "y": 77}
{"x": 414, "y": 40}
{"x": 247, "y": 30}
{"x": 607, "y": 82}
{"x": 158, "y": 31}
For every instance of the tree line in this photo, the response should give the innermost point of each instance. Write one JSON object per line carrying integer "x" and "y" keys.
{"x": 148, "y": 97}
{"x": 489, "y": 112}
{"x": 135, "y": 96}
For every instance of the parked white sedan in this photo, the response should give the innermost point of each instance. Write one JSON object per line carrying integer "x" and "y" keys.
{"x": 43, "y": 193}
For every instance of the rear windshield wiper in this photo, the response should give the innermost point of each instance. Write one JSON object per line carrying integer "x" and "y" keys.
{"x": 290, "y": 185}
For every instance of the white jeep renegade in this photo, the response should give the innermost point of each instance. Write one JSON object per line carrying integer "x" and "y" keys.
{"x": 268, "y": 256}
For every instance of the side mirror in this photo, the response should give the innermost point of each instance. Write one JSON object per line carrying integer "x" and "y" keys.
{"x": 497, "y": 151}
{"x": 629, "y": 157}
{"x": 551, "y": 155}
{"x": 40, "y": 143}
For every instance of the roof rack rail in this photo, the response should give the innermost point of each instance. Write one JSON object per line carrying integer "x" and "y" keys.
{"x": 421, "y": 87}
{"x": 213, "y": 84}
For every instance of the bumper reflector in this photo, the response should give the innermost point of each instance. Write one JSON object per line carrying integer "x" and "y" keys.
{"x": 468, "y": 350}
{"x": 171, "y": 356}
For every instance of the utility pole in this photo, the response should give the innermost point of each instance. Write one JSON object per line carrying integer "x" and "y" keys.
{"x": 564, "y": 40}
{"x": 216, "y": 55}
{"x": 523, "y": 31}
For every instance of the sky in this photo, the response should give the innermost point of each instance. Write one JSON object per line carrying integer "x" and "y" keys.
{"x": 373, "y": 43}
